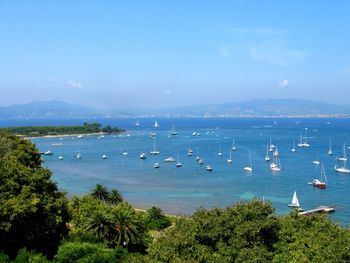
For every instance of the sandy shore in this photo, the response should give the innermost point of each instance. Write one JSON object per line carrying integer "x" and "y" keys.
{"x": 67, "y": 135}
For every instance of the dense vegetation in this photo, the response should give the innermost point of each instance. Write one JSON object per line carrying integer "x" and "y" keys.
{"x": 86, "y": 128}
{"x": 38, "y": 224}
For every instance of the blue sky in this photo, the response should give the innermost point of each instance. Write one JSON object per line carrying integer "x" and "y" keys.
{"x": 122, "y": 54}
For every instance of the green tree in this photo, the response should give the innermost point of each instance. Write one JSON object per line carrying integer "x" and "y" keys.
{"x": 126, "y": 230}
{"x": 156, "y": 219}
{"x": 100, "y": 192}
{"x": 115, "y": 197}
{"x": 100, "y": 225}
{"x": 34, "y": 213}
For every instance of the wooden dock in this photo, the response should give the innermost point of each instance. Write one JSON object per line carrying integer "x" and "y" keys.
{"x": 320, "y": 209}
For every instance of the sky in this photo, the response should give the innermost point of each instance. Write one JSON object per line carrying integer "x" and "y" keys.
{"x": 154, "y": 54}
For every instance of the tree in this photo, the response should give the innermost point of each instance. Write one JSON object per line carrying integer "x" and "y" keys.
{"x": 156, "y": 219}
{"x": 115, "y": 197}
{"x": 100, "y": 225}
{"x": 33, "y": 212}
{"x": 100, "y": 192}
{"x": 126, "y": 231}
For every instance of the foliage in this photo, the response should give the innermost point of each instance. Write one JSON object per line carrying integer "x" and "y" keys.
{"x": 24, "y": 256}
{"x": 60, "y": 130}
{"x": 115, "y": 197}
{"x": 220, "y": 235}
{"x": 312, "y": 239}
{"x": 75, "y": 252}
{"x": 100, "y": 192}
{"x": 33, "y": 212}
{"x": 156, "y": 220}
{"x": 4, "y": 258}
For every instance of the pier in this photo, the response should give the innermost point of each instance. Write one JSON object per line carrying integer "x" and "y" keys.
{"x": 321, "y": 208}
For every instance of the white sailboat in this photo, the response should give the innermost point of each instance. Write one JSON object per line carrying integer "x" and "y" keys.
{"x": 156, "y": 124}
{"x": 137, "y": 123}
{"x": 303, "y": 141}
{"x": 276, "y": 165}
{"x": 173, "y": 131}
{"x": 154, "y": 152}
{"x": 233, "y": 145}
{"x": 104, "y": 156}
{"x": 330, "y": 151}
{"x": 229, "y": 160}
{"x": 156, "y": 165}
{"x": 208, "y": 168}
{"x": 276, "y": 153}
{"x": 295, "y": 201}
{"x": 267, "y": 157}
{"x": 342, "y": 169}
{"x": 317, "y": 161}
{"x": 344, "y": 156}
{"x": 220, "y": 153}
{"x": 272, "y": 146}
{"x": 293, "y": 149}
{"x": 178, "y": 164}
{"x": 190, "y": 151}
{"x": 249, "y": 167}
{"x": 143, "y": 156}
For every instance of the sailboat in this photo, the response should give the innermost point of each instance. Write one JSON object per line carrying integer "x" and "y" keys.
{"x": 78, "y": 156}
{"x": 342, "y": 169}
{"x": 229, "y": 160}
{"x": 293, "y": 149}
{"x": 143, "y": 156}
{"x": 272, "y": 146}
{"x": 322, "y": 182}
{"x": 154, "y": 152}
{"x": 208, "y": 168}
{"x": 220, "y": 153}
{"x": 156, "y": 165}
{"x": 190, "y": 151}
{"x": 276, "y": 165}
{"x": 249, "y": 168}
{"x": 303, "y": 141}
{"x": 173, "y": 131}
{"x": 104, "y": 156}
{"x": 267, "y": 157}
{"x": 343, "y": 157}
{"x": 295, "y": 201}
{"x": 276, "y": 153}
{"x": 156, "y": 124}
{"x": 233, "y": 145}
{"x": 178, "y": 164}
{"x": 317, "y": 160}
{"x": 330, "y": 151}
{"x": 137, "y": 123}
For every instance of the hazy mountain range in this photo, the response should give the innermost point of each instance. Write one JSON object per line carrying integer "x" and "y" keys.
{"x": 251, "y": 108}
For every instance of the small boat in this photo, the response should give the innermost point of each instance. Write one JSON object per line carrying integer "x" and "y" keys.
{"x": 276, "y": 165}
{"x": 169, "y": 160}
{"x": 344, "y": 156}
{"x": 78, "y": 156}
{"x": 190, "y": 151}
{"x": 156, "y": 165}
{"x": 229, "y": 160}
{"x": 220, "y": 153}
{"x": 60, "y": 157}
{"x": 249, "y": 167}
{"x": 178, "y": 164}
{"x": 295, "y": 201}
{"x": 143, "y": 156}
{"x": 233, "y": 145}
{"x": 342, "y": 169}
{"x": 154, "y": 152}
{"x": 80, "y": 136}
{"x": 303, "y": 141}
{"x": 56, "y": 144}
{"x": 137, "y": 123}
{"x": 276, "y": 153}
{"x": 125, "y": 153}
{"x": 173, "y": 131}
{"x": 208, "y": 168}
{"x": 330, "y": 151}
{"x": 267, "y": 157}
{"x": 322, "y": 182}
{"x": 200, "y": 162}
{"x": 272, "y": 146}
{"x": 293, "y": 149}
{"x": 104, "y": 156}
{"x": 156, "y": 125}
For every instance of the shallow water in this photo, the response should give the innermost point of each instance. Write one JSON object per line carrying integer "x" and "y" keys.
{"x": 183, "y": 190}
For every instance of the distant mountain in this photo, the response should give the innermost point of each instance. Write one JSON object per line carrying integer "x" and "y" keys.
{"x": 47, "y": 109}
{"x": 260, "y": 108}
{"x": 251, "y": 108}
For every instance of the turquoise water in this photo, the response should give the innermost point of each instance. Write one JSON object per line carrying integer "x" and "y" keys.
{"x": 183, "y": 190}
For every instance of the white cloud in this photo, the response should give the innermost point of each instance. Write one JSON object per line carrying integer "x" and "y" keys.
{"x": 74, "y": 85}
{"x": 284, "y": 83}
{"x": 166, "y": 91}
{"x": 226, "y": 50}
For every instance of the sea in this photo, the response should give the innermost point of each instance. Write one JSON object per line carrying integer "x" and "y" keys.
{"x": 182, "y": 190}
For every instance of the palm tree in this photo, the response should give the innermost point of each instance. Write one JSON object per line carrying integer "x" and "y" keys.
{"x": 125, "y": 227}
{"x": 155, "y": 213}
{"x": 100, "y": 225}
{"x": 115, "y": 197}
{"x": 100, "y": 192}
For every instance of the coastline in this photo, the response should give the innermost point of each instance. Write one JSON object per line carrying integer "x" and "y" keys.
{"x": 67, "y": 135}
